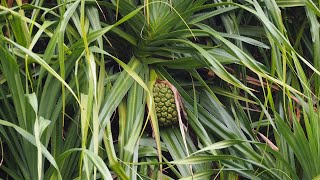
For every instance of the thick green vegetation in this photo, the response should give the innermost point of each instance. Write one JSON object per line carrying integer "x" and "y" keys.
{"x": 77, "y": 78}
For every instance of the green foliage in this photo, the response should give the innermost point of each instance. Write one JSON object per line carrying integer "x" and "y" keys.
{"x": 77, "y": 89}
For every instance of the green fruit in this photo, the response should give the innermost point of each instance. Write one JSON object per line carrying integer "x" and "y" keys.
{"x": 166, "y": 110}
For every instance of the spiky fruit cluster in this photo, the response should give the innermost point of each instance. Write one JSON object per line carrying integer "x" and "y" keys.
{"x": 165, "y": 104}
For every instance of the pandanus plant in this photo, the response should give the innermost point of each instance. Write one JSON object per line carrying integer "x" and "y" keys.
{"x": 152, "y": 89}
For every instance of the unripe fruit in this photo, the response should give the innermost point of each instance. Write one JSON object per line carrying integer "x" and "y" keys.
{"x": 165, "y": 105}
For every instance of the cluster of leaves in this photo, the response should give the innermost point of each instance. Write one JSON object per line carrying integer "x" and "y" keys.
{"x": 76, "y": 80}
